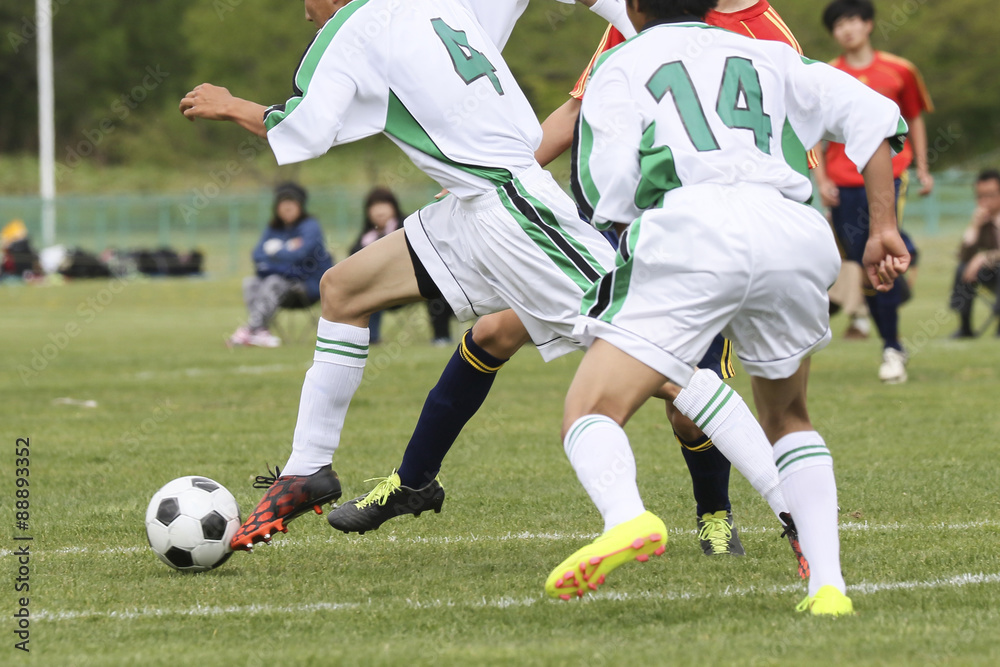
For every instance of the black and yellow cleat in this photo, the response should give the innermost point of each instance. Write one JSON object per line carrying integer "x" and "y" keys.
{"x": 387, "y": 500}
{"x": 718, "y": 536}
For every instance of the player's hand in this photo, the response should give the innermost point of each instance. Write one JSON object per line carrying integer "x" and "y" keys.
{"x": 926, "y": 182}
{"x": 208, "y": 102}
{"x": 885, "y": 259}
{"x": 971, "y": 272}
{"x": 829, "y": 194}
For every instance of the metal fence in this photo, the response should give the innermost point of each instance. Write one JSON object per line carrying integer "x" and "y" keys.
{"x": 226, "y": 227}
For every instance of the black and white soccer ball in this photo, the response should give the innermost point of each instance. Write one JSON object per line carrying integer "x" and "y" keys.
{"x": 189, "y": 523}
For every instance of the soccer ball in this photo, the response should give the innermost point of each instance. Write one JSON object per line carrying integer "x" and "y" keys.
{"x": 189, "y": 523}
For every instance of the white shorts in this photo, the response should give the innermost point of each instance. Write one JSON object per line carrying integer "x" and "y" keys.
{"x": 743, "y": 261}
{"x": 523, "y": 247}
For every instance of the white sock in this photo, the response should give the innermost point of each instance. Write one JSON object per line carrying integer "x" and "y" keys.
{"x": 338, "y": 365}
{"x": 724, "y": 417}
{"x": 599, "y": 452}
{"x": 806, "y": 469}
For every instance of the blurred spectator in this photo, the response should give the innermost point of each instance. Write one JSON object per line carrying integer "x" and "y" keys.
{"x": 19, "y": 259}
{"x": 382, "y": 217}
{"x": 841, "y": 186}
{"x": 979, "y": 255}
{"x": 441, "y": 314}
{"x": 290, "y": 259}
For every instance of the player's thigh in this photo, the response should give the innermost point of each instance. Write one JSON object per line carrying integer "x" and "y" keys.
{"x": 781, "y": 404}
{"x": 379, "y": 276}
{"x": 609, "y": 382}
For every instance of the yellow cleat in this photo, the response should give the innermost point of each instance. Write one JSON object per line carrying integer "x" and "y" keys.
{"x": 828, "y": 601}
{"x": 585, "y": 570}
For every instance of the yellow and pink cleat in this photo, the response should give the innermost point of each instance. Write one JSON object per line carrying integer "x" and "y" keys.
{"x": 585, "y": 570}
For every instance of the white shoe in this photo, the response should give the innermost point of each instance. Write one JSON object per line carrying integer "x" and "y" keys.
{"x": 263, "y": 338}
{"x": 240, "y": 337}
{"x": 893, "y": 368}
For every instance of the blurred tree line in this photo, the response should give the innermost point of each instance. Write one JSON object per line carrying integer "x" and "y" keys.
{"x": 122, "y": 66}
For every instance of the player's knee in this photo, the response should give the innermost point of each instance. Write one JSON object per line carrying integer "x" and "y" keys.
{"x": 582, "y": 404}
{"x": 501, "y": 334}
{"x": 683, "y": 427}
{"x": 339, "y": 297}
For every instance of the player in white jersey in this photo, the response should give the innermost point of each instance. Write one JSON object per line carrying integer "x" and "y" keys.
{"x": 507, "y": 237}
{"x": 677, "y": 137}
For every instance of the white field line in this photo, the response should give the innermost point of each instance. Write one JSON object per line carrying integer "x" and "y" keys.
{"x": 201, "y": 372}
{"x": 282, "y": 541}
{"x": 866, "y": 588}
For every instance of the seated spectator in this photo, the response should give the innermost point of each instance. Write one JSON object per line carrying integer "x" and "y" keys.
{"x": 290, "y": 259}
{"x": 979, "y": 256}
{"x": 382, "y": 217}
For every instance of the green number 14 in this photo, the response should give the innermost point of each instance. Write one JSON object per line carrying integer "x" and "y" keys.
{"x": 740, "y": 104}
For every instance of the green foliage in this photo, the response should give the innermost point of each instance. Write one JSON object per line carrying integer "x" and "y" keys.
{"x": 103, "y": 50}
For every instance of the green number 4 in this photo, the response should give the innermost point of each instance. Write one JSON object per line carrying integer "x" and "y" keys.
{"x": 740, "y": 104}
{"x": 470, "y": 64}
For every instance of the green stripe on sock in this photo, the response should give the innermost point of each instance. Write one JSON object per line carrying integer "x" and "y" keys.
{"x": 712, "y": 400}
{"x": 342, "y": 343}
{"x": 342, "y": 353}
{"x": 579, "y": 427}
{"x": 805, "y": 456}
{"x": 799, "y": 449}
{"x": 716, "y": 411}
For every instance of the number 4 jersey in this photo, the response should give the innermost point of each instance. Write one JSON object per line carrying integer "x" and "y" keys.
{"x": 684, "y": 103}
{"x": 427, "y": 74}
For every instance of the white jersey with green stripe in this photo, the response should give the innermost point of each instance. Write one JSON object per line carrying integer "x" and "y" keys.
{"x": 424, "y": 72}
{"x": 683, "y": 103}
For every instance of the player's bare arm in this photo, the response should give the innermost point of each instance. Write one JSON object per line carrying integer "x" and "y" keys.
{"x": 557, "y": 132}
{"x": 918, "y": 135}
{"x": 217, "y": 103}
{"x": 886, "y": 256}
{"x": 829, "y": 193}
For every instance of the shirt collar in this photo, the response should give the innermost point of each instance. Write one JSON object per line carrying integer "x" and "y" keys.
{"x": 684, "y": 18}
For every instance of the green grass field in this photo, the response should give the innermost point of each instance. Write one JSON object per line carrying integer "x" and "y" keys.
{"x": 917, "y": 466}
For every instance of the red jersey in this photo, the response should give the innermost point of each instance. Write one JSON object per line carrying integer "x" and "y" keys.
{"x": 897, "y": 79}
{"x": 759, "y": 22}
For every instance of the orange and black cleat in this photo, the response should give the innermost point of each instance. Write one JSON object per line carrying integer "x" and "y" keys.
{"x": 286, "y": 498}
{"x": 793, "y": 539}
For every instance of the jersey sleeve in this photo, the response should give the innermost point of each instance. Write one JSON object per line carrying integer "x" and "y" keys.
{"x": 337, "y": 99}
{"x": 606, "y": 160}
{"x": 497, "y": 17}
{"x": 914, "y": 98}
{"x": 612, "y": 38}
{"x": 824, "y": 103}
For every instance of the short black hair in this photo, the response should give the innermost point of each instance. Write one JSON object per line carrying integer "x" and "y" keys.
{"x": 988, "y": 175}
{"x": 663, "y": 9}
{"x": 841, "y": 9}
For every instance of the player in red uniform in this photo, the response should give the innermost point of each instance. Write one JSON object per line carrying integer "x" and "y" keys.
{"x": 841, "y": 187}
{"x": 708, "y": 467}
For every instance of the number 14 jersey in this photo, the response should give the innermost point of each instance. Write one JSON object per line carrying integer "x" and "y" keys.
{"x": 684, "y": 103}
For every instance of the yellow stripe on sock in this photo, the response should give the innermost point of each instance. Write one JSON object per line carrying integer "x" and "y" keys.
{"x": 473, "y": 361}
{"x": 705, "y": 446}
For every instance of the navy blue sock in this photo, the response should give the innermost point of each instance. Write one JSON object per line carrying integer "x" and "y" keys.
{"x": 709, "y": 474}
{"x": 460, "y": 391}
{"x": 884, "y": 308}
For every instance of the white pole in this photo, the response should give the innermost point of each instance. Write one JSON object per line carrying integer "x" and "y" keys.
{"x": 46, "y": 121}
